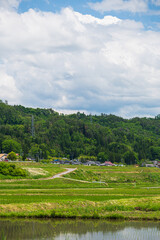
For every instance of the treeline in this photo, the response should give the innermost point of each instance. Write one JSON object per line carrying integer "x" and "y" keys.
{"x": 43, "y": 133}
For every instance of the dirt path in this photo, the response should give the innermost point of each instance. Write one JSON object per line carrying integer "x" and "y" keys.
{"x": 77, "y": 180}
{"x": 69, "y": 170}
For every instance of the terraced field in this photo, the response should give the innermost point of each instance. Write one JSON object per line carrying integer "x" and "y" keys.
{"x": 88, "y": 192}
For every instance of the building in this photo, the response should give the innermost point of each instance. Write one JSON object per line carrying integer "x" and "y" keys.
{"x": 108, "y": 163}
{"x": 3, "y": 156}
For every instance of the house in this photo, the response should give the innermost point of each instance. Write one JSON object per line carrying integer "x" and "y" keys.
{"x": 89, "y": 163}
{"x": 92, "y": 163}
{"x": 67, "y": 162}
{"x": 75, "y": 162}
{"x": 156, "y": 164}
{"x": 149, "y": 165}
{"x": 108, "y": 163}
{"x": 57, "y": 161}
{"x": 97, "y": 163}
{"x": 3, "y": 156}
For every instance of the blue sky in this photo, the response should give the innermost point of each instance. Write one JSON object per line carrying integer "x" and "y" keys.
{"x": 97, "y": 56}
{"x": 149, "y": 17}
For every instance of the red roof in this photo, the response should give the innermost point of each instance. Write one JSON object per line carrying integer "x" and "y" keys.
{"x": 109, "y": 163}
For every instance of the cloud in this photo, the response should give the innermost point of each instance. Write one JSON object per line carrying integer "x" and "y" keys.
{"x": 9, "y": 4}
{"x": 156, "y": 2}
{"x": 88, "y": 19}
{"x": 8, "y": 87}
{"x": 70, "y": 61}
{"x": 120, "y": 5}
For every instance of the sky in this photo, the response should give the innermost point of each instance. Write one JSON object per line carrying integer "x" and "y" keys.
{"x": 92, "y": 56}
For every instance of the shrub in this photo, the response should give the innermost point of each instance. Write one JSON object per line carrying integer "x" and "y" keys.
{"x": 11, "y": 170}
{"x": 12, "y": 156}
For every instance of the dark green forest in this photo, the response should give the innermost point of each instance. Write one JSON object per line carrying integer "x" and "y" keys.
{"x": 44, "y": 133}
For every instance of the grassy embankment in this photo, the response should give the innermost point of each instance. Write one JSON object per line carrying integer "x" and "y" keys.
{"x": 89, "y": 192}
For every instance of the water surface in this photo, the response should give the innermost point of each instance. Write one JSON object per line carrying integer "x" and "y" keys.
{"x": 78, "y": 230}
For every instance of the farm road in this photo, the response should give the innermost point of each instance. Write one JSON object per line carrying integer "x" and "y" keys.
{"x": 69, "y": 170}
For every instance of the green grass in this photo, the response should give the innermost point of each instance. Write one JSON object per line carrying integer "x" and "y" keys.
{"x": 117, "y": 174}
{"x": 67, "y": 197}
{"x": 38, "y": 198}
{"x": 47, "y": 170}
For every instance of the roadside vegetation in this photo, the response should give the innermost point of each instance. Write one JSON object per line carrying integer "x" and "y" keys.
{"x": 88, "y": 192}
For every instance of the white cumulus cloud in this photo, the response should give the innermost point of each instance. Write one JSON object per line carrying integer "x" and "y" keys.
{"x": 71, "y": 61}
{"x": 88, "y": 19}
{"x": 9, "y": 90}
{"x": 9, "y": 4}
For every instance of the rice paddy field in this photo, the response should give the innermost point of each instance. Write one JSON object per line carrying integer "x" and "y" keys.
{"x": 87, "y": 192}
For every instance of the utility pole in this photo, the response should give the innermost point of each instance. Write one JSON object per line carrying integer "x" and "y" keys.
{"x": 32, "y": 127}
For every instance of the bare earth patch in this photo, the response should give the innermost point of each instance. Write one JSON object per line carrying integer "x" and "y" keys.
{"x": 36, "y": 171}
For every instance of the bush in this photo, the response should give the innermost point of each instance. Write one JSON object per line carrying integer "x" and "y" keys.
{"x": 11, "y": 170}
{"x": 12, "y": 156}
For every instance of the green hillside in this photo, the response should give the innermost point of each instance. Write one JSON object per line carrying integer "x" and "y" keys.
{"x": 106, "y": 137}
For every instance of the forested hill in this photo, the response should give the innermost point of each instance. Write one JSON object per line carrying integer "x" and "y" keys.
{"x": 43, "y": 133}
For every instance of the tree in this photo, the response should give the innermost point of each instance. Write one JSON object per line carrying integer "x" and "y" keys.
{"x": 130, "y": 157}
{"x": 12, "y": 156}
{"x": 84, "y": 158}
{"x": 35, "y": 151}
{"x": 11, "y": 145}
{"x": 102, "y": 157}
{"x": 155, "y": 152}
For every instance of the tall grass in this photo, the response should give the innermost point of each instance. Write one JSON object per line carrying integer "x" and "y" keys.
{"x": 3, "y": 237}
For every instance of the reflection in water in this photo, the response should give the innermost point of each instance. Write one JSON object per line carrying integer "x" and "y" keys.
{"x": 78, "y": 230}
